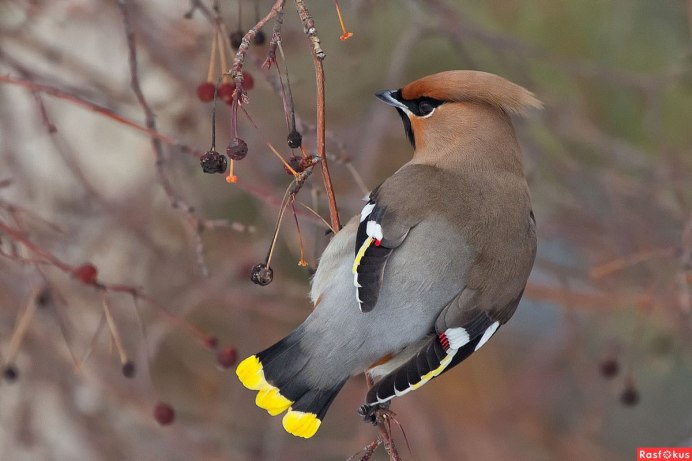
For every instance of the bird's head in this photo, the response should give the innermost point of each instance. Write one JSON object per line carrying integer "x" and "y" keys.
{"x": 440, "y": 108}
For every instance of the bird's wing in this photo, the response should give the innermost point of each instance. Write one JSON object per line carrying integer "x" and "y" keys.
{"x": 462, "y": 328}
{"x": 393, "y": 208}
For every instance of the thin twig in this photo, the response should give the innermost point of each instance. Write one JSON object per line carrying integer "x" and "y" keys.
{"x": 21, "y": 327}
{"x": 150, "y": 120}
{"x": 115, "y": 332}
{"x": 64, "y": 95}
{"x": 383, "y": 429}
{"x": 318, "y": 56}
{"x": 275, "y": 39}
{"x": 619, "y": 264}
{"x": 18, "y": 236}
{"x": 237, "y": 66}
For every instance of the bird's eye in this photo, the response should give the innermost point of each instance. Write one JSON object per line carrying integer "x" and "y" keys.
{"x": 425, "y": 108}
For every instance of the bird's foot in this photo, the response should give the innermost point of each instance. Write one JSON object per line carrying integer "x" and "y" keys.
{"x": 375, "y": 414}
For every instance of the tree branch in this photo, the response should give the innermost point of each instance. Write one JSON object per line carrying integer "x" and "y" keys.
{"x": 318, "y": 56}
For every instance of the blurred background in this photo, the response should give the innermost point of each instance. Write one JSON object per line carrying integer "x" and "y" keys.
{"x": 104, "y": 242}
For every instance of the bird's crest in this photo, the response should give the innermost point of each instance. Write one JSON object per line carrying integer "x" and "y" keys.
{"x": 470, "y": 85}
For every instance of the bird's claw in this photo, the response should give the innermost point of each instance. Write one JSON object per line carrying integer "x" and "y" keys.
{"x": 374, "y": 414}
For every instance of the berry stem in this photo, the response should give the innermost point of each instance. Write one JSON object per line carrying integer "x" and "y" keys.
{"x": 275, "y": 39}
{"x": 288, "y": 97}
{"x": 302, "y": 262}
{"x": 284, "y": 204}
{"x": 211, "y": 72}
{"x": 22, "y": 326}
{"x": 274, "y": 151}
{"x": 222, "y": 54}
{"x": 92, "y": 343}
{"x": 115, "y": 333}
{"x": 231, "y": 178}
{"x": 143, "y": 332}
{"x": 213, "y": 114}
{"x": 346, "y": 35}
{"x": 317, "y": 215}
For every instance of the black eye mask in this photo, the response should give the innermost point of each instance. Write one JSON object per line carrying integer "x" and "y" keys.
{"x": 420, "y": 107}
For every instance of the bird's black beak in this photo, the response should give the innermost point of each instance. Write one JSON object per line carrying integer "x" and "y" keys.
{"x": 389, "y": 97}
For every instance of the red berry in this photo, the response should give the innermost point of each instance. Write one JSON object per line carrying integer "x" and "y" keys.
{"x": 227, "y": 356}
{"x": 248, "y": 81}
{"x": 86, "y": 273}
{"x": 164, "y": 414}
{"x": 211, "y": 342}
{"x": 226, "y": 92}
{"x": 205, "y": 91}
{"x": 609, "y": 368}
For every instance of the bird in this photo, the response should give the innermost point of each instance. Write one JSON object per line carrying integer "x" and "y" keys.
{"x": 436, "y": 261}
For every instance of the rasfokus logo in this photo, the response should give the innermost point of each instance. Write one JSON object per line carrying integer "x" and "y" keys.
{"x": 667, "y": 453}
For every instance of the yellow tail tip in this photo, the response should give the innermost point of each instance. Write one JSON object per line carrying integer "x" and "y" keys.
{"x": 301, "y": 424}
{"x": 250, "y": 373}
{"x": 271, "y": 400}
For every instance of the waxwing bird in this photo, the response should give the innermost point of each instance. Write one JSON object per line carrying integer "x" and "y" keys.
{"x": 434, "y": 264}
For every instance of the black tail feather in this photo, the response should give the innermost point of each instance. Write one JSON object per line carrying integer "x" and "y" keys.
{"x": 429, "y": 359}
{"x": 317, "y": 401}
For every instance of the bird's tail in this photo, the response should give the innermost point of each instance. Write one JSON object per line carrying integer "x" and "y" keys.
{"x": 275, "y": 374}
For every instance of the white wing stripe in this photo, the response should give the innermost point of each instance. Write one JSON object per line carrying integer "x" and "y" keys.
{"x": 365, "y": 212}
{"x": 374, "y": 230}
{"x": 488, "y": 333}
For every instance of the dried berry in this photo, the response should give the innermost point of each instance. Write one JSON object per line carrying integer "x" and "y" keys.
{"x": 211, "y": 342}
{"x": 248, "y": 81}
{"x": 205, "y": 91}
{"x": 260, "y": 38}
{"x": 164, "y": 414}
{"x": 226, "y": 91}
{"x": 226, "y": 356}
{"x": 237, "y": 149}
{"x": 629, "y": 395}
{"x": 295, "y": 162}
{"x": 129, "y": 369}
{"x": 262, "y": 274}
{"x": 609, "y": 368}
{"x": 295, "y": 139}
{"x": 213, "y": 162}
{"x": 86, "y": 273}
{"x": 44, "y": 298}
{"x": 236, "y": 39}
{"x": 10, "y": 373}
{"x": 306, "y": 162}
